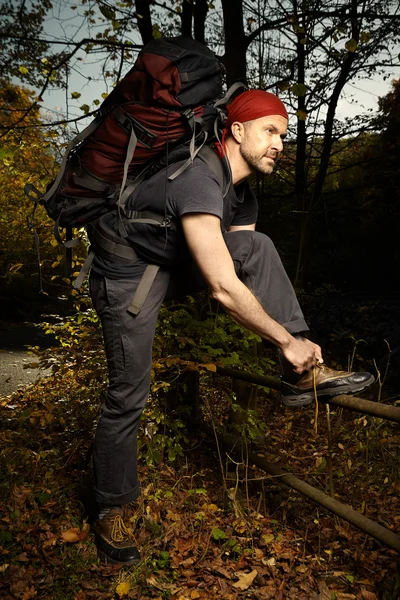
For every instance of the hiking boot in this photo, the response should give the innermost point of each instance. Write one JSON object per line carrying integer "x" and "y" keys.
{"x": 113, "y": 539}
{"x": 328, "y": 382}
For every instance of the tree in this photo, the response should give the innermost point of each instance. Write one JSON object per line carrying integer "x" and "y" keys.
{"x": 26, "y": 155}
{"x": 306, "y": 51}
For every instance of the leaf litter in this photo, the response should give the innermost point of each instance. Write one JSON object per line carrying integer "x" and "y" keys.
{"x": 201, "y": 535}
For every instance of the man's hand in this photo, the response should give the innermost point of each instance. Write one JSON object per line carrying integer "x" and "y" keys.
{"x": 302, "y": 354}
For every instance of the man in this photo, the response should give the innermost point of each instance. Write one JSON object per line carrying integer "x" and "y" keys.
{"x": 215, "y": 237}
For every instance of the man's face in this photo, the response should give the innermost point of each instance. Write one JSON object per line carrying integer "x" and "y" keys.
{"x": 262, "y": 142}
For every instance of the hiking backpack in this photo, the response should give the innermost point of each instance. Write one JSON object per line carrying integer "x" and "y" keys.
{"x": 172, "y": 95}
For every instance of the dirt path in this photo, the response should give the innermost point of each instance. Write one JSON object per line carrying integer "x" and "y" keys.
{"x": 17, "y": 367}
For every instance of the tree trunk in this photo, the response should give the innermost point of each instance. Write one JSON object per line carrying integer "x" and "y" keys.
{"x": 234, "y": 58}
{"x": 200, "y": 15}
{"x": 144, "y": 21}
{"x": 186, "y": 18}
{"x": 301, "y": 155}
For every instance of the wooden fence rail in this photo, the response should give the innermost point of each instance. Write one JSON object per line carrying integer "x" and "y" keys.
{"x": 376, "y": 409}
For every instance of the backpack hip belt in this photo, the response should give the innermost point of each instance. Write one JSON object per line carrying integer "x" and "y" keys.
{"x": 105, "y": 242}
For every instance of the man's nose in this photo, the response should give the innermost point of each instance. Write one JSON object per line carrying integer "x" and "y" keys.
{"x": 278, "y": 143}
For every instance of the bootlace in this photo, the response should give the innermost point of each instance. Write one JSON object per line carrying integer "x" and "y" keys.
{"x": 315, "y": 367}
{"x": 119, "y": 531}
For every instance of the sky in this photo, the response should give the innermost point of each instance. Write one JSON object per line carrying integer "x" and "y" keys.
{"x": 358, "y": 97}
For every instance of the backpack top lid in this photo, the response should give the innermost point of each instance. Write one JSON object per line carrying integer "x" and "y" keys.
{"x": 170, "y": 72}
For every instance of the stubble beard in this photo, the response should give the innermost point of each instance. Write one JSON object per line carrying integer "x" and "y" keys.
{"x": 255, "y": 161}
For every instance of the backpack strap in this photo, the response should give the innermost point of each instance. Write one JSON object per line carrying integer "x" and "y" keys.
{"x": 143, "y": 289}
{"x": 129, "y": 155}
{"x": 230, "y": 93}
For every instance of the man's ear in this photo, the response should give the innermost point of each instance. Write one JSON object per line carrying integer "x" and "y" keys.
{"x": 237, "y": 131}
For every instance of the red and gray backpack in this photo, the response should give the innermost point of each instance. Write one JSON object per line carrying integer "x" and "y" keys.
{"x": 171, "y": 97}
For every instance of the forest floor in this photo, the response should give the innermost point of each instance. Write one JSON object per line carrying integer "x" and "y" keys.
{"x": 208, "y": 524}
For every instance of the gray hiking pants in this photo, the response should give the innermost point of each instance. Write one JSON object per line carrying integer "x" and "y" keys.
{"x": 128, "y": 343}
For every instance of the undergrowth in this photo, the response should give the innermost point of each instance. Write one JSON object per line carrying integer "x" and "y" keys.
{"x": 208, "y": 523}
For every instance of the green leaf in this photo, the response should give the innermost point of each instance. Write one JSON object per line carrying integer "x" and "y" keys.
{"x": 156, "y": 32}
{"x": 5, "y": 536}
{"x": 365, "y": 36}
{"x": 107, "y": 12}
{"x": 283, "y": 85}
{"x": 96, "y": 102}
{"x": 218, "y": 534}
{"x": 350, "y": 578}
{"x": 351, "y": 45}
{"x": 75, "y": 95}
{"x": 301, "y": 115}
{"x": 298, "y": 89}
{"x": 85, "y": 108}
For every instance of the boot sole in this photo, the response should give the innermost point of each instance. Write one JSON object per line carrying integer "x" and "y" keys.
{"x": 112, "y": 561}
{"x": 298, "y": 400}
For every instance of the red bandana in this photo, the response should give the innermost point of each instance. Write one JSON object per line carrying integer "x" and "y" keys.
{"x": 248, "y": 106}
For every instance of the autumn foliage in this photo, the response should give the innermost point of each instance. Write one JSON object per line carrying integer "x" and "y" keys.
{"x": 26, "y": 156}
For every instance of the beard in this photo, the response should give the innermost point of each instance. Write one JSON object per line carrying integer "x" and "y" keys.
{"x": 255, "y": 161}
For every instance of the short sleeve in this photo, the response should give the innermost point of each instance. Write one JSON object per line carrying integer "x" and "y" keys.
{"x": 196, "y": 190}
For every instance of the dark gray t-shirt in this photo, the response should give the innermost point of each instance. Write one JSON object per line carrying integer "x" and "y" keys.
{"x": 196, "y": 190}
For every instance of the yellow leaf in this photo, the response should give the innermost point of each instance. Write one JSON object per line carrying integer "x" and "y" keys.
{"x": 71, "y": 535}
{"x": 123, "y": 588}
{"x": 23, "y": 70}
{"x": 268, "y": 537}
{"x": 172, "y": 516}
{"x": 301, "y": 115}
{"x": 51, "y": 542}
{"x": 351, "y": 45}
{"x": 194, "y": 594}
{"x": 301, "y": 569}
{"x": 209, "y": 367}
{"x": 4, "y": 567}
{"x": 15, "y": 268}
{"x": 210, "y": 507}
{"x": 245, "y": 580}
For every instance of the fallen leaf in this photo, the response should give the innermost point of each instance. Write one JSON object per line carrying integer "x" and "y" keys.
{"x": 173, "y": 516}
{"x": 71, "y": 535}
{"x": 50, "y": 542}
{"x": 123, "y": 588}
{"x": 23, "y": 557}
{"x": 28, "y": 593}
{"x": 210, "y": 507}
{"x": 301, "y": 569}
{"x": 366, "y": 595}
{"x": 245, "y": 580}
{"x": 173, "y": 589}
{"x": 4, "y": 567}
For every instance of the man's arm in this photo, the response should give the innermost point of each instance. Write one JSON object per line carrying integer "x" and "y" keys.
{"x": 251, "y": 227}
{"x": 207, "y": 245}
